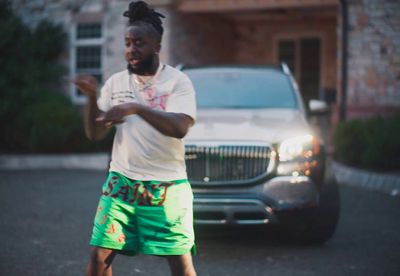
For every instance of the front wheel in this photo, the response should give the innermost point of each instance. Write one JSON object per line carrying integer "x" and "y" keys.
{"x": 318, "y": 225}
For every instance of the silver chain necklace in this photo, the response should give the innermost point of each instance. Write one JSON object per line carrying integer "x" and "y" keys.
{"x": 136, "y": 84}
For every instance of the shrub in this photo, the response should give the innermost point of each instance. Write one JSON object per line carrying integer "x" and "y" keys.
{"x": 49, "y": 126}
{"x": 54, "y": 126}
{"x": 370, "y": 143}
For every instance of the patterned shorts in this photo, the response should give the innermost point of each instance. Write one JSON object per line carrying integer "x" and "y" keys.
{"x": 150, "y": 217}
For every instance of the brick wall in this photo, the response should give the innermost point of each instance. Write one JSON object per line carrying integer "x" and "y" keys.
{"x": 257, "y": 42}
{"x": 200, "y": 39}
{"x": 217, "y": 39}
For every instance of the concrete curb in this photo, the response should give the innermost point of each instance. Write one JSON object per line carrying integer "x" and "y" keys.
{"x": 345, "y": 175}
{"x": 387, "y": 183}
{"x": 93, "y": 161}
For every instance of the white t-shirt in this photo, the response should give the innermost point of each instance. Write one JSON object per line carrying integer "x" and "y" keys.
{"x": 140, "y": 151}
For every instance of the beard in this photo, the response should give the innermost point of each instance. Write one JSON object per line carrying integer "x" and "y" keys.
{"x": 144, "y": 67}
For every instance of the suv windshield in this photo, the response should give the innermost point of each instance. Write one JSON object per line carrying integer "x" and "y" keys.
{"x": 242, "y": 88}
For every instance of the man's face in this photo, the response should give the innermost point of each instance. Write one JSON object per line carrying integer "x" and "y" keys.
{"x": 140, "y": 50}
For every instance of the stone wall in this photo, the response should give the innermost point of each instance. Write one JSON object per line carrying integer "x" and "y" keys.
{"x": 114, "y": 30}
{"x": 198, "y": 39}
{"x": 32, "y": 11}
{"x": 374, "y": 57}
{"x": 190, "y": 39}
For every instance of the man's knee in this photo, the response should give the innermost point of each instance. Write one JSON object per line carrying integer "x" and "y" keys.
{"x": 181, "y": 265}
{"x": 101, "y": 255}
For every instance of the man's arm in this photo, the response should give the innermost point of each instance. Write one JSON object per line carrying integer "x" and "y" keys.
{"x": 168, "y": 123}
{"x": 94, "y": 131}
{"x": 88, "y": 86}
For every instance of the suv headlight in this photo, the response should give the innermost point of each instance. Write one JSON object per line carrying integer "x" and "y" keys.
{"x": 297, "y": 155}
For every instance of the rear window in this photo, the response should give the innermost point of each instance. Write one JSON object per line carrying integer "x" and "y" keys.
{"x": 242, "y": 88}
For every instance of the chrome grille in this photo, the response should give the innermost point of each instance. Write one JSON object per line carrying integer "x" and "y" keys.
{"x": 226, "y": 164}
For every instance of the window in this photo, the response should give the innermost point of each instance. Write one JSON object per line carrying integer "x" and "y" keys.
{"x": 242, "y": 88}
{"x": 303, "y": 56}
{"x": 86, "y": 53}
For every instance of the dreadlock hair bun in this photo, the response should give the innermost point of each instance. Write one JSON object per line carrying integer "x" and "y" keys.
{"x": 139, "y": 11}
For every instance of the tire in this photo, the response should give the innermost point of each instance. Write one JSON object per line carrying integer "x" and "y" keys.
{"x": 317, "y": 225}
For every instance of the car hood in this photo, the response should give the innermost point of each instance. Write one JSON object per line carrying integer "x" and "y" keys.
{"x": 261, "y": 125}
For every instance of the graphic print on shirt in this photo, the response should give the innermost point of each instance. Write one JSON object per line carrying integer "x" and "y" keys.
{"x": 120, "y": 97}
{"x": 154, "y": 99}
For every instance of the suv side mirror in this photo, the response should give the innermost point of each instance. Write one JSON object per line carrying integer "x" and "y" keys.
{"x": 318, "y": 107}
{"x": 179, "y": 66}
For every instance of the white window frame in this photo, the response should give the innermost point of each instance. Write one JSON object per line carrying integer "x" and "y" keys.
{"x": 76, "y": 98}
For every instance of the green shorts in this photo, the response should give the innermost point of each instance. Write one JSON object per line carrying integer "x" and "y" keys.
{"x": 149, "y": 217}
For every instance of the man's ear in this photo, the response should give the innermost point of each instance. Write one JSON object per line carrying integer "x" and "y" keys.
{"x": 158, "y": 48}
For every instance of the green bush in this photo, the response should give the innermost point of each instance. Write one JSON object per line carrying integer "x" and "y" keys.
{"x": 372, "y": 143}
{"x": 34, "y": 114}
{"x": 49, "y": 125}
{"x": 54, "y": 125}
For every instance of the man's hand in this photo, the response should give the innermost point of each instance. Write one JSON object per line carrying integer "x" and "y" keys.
{"x": 117, "y": 113}
{"x": 86, "y": 84}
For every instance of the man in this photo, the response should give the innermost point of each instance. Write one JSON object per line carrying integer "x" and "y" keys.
{"x": 146, "y": 205}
